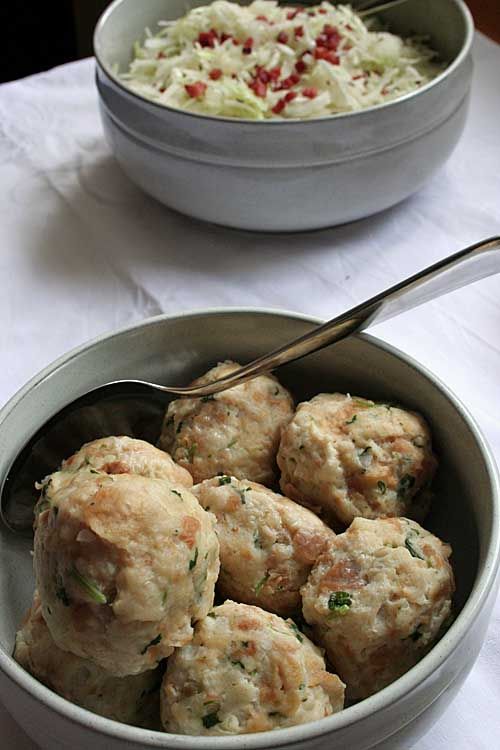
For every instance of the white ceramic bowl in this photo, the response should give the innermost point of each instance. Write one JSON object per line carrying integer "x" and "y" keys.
{"x": 285, "y": 175}
{"x": 466, "y": 513}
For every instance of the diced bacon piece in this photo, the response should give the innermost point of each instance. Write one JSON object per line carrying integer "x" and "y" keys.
{"x": 196, "y": 90}
{"x": 259, "y": 88}
{"x": 207, "y": 38}
{"x": 247, "y": 46}
{"x": 279, "y": 106}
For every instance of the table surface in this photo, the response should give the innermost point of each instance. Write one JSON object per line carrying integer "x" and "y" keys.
{"x": 83, "y": 252}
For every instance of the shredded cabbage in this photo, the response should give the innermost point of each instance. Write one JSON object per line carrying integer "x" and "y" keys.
{"x": 265, "y": 61}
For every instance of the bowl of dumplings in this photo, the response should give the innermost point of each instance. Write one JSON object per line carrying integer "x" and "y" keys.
{"x": 309, "y": 557}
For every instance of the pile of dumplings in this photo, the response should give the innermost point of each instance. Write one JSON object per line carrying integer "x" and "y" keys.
{"x": 323, "y": 594}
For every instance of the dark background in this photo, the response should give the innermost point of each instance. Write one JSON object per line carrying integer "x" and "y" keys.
{"x": 39, "y": 35}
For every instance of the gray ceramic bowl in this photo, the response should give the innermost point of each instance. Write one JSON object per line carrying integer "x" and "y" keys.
{"x": 467, "y": 513}
{"x": 285, "y": 175}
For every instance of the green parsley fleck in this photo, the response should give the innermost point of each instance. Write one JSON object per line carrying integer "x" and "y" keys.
{"x": 223, "y": 479}
{"x": 257, "y": 540}
{"x": 238, "y": 664}
{"x": 260, "y": 584}
{"x": 382, "y": 487}
{"x": 339, "y": 602}
{"x": 179, "y": 427}
{"x": 154, "y": 642}
{"x": 90, "y": 588}
{"x": 363, "y": 402}
{"x": 205, "y": 399}
{"x": 412, "y": 549}
{"x": 241, "y": 493}
{"x": 192, "y": 562}
{"x": 351, "y": 421}
{"x": 164, "y": 598}
{"x": 45, "y": 487}
{"x": 212, "y": 614}
{"x": 191, "y": 452}
{"x": 174, "y": 492}
{"x": 296, "y": 632}
{"x": 232, "y": 443}
{"x": 405, "y": 484}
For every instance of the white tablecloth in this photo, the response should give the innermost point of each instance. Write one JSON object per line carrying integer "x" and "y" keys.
{"x": 82, "y": 251}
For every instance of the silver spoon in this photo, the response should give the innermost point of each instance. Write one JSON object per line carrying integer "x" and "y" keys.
{"x": 369, "y": 9}
{"x": 136, "y": 408}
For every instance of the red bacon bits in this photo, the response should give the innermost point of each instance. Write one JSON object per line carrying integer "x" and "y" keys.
{"x": 287, "y": 83}
{"x": 160, "y": 56}
{"x": 262, "y": 18}
{"x": 224, "y": 37}
{"x": 292, "y": 13}
{"x": 300, "y": 67}
{"x": 274, "y": 74}
{"x": 215, "y": 74}
{"x": 262, "y": 74}
{"x": 207, "y": 38}
{"x": 282, "y": 37}
{"x": 298, "y": 32}
{"x": 310, "y": 93}
{"x": 322, "y": 53}
{"x": 260, "y": 81}
{"x": 281, "y": 103}
{"x": 322, "y": 11}
{"x": 259, "y": 88}
{"x": 329, "y": 37}
{"x": 196, "y": 90}
{"x": 247, "y": 46}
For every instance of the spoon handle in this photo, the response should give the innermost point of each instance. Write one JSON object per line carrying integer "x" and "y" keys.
{"x": 462, "y": 268}
{"x": 370, "y": 9}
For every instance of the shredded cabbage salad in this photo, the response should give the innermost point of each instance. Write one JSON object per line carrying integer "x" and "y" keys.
{"x": 265, "y": 61}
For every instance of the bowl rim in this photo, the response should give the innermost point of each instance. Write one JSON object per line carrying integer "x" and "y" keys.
{"x": 292, "y": 121}
{"x": 376, "y": 703}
